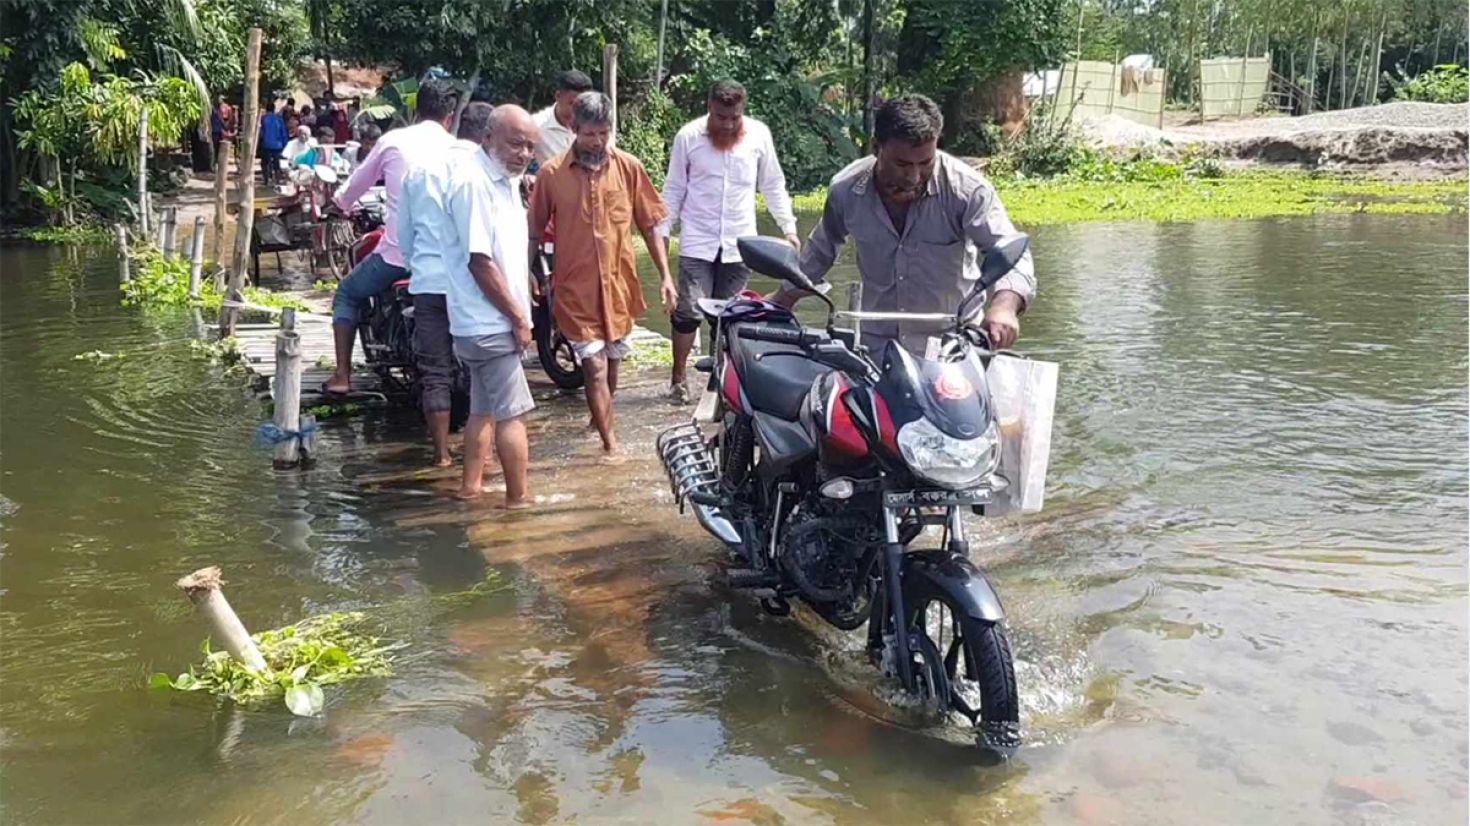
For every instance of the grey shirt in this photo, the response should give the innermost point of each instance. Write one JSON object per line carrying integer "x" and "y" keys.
{"x": 930, "y": 265}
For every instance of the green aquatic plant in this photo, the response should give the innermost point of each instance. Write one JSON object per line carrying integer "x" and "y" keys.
{"x": 224, "y": 349}
{"x": 491, "y": 583}
{"x": 1256, "y": 194}
{"x": 300, "y": 659}
{"x": 78, "y": 234}
{"x": 97, "y": 356}
{"x": 156, "y": 281}
{"x": 334, "y": 411}
{"x": 1202, "y": 188}
{"x": 650, "y": 354}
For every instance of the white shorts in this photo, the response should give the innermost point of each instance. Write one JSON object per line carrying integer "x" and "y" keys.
{"x": 615, "y": 350}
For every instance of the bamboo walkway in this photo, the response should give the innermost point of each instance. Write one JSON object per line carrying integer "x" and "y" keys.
{"x": 257, "y": 350}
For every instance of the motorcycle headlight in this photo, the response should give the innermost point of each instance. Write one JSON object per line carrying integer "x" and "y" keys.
{"x": 944, "y": 460}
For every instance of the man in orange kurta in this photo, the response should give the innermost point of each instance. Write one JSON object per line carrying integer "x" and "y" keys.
{"x": 596, "y": 193}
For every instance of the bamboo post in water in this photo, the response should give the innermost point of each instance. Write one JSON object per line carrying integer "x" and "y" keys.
{"x": 610, "y": 80}
{"x": 287, "y": 391}
{"x": 170, "y": 231}
{"x": 121, "y": 232}
{"x": 196, "y": 257}
{"x": 143, "y": 174}
{"x": 245, "y": 227}
{"x": 203, "y": 589}
{"x": 221, "y": 186}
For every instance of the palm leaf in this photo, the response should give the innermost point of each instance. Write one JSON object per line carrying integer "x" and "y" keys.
{"x": 182, "y": 16}
{"x": 176, "y": 64}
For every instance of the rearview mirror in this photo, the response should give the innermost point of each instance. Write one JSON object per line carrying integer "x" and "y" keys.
{"x": 1002, "y": 258}
{"x": 775, "y": 258}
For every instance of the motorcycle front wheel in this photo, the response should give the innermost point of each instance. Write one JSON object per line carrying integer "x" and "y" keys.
{"x": 976, "y": 660}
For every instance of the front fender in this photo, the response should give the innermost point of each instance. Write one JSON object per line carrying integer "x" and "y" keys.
{"x": 942, "y": 573}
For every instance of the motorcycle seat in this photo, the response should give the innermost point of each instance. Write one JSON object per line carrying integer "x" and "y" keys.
{"x": 775, "y": 377}
{"x": 401, "y": 284}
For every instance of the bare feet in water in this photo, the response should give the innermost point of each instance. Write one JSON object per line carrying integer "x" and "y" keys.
{"x": 444, "y": 461}
{"x": 518, "y": 504}
{"x": 468, "y": 494}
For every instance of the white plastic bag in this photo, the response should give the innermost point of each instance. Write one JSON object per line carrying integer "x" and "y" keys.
{"x": 1023, "y": 393}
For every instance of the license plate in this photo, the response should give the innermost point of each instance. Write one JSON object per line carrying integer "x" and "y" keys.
{"x": 935, "y": 498}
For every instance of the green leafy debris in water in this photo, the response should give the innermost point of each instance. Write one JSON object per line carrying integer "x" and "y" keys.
{"x": 96, "y": 356}
{"x": 300, "y": 659}
{"x": 78, "y": 234}
{"x": 650, "y": 353}
{"x": 224, "y": 349}
{"x": 492, "y": 583}
{"x": 334, "y": 411}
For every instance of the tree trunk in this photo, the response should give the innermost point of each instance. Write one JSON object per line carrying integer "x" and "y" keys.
{"x": 663, "y": 22}
{"x": 1342, "y": 72}
{"x": 331, "y": 85}
{"x": 1000, "y": 100}
{"x": 1378, "y": 59}
{"x": 71, "y": 202}
{"x": 1359, "y": 81}
{"x": 1312, "y": 70}
{"x": 868, "y": 71}
{"x": 464, "y": 102}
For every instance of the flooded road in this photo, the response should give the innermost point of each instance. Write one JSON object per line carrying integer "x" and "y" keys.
{"x": 1245, "y": 601}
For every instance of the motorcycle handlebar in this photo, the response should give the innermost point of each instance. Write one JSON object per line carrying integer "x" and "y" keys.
{"x": 782, "y": 335}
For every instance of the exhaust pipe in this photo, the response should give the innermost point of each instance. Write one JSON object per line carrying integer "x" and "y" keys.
{"x": 693, "y": 476}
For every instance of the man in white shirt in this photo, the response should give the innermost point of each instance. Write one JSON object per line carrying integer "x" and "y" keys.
{"x": 555, "y": 121}
{"x": 717, "y": 164}
{"x": 490, "y": 291}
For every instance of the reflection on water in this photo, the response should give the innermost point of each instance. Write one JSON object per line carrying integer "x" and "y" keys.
{"x": 1245, "y": 601}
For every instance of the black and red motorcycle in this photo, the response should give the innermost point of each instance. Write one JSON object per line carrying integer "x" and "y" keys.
{"x": 385, "y": 331}
{"x": 825, "y": 465}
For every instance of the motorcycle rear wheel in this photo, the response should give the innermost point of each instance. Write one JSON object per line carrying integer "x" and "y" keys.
{"x": 557, "y": 357}
{"x": 976, "y": 656}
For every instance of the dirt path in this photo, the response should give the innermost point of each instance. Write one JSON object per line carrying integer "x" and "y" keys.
{"x": 1396, "y": 139}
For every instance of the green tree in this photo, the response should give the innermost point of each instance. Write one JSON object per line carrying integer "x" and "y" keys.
{"x": 83, "y": 128}
{"x": 971, "y": 63}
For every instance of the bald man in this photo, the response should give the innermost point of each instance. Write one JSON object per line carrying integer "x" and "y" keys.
{"x": 490, "y": 296}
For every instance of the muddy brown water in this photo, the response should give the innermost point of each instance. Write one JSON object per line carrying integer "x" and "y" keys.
{"x": 1244, "y": 602}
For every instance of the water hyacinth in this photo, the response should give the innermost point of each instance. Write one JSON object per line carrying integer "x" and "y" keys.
{"x": 300, "y": 659}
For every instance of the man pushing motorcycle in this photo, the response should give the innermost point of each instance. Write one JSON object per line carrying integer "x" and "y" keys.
{"x": 922, "y": 219}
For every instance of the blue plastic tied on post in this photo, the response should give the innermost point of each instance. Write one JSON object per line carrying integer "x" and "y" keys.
{"x": 270, "y": 434}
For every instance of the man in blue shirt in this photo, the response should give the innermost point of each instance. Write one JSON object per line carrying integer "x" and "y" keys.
{"x": 273, "y": 139}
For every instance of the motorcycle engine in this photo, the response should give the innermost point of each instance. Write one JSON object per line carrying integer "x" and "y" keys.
{"x": 822, "y": 553}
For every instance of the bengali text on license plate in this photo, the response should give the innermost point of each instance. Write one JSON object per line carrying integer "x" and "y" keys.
{"x": 935, "y": 498}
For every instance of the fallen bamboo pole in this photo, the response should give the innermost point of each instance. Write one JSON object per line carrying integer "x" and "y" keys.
{"x": 203, "y": 589}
